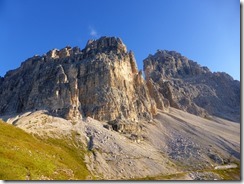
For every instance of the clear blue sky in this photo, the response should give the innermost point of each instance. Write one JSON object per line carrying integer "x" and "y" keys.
{"x": 206, "y": 31}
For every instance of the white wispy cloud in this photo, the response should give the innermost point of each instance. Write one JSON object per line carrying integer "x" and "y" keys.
{"x": 93, "y": 32}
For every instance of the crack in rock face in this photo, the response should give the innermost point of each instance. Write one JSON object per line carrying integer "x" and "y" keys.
{"x": 101, "y": 81}
{"x": 193, "y": 88}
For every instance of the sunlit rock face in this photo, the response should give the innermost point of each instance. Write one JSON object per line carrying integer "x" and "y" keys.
{"x": 193, "y": 88}
{"x": 101, "y": 81}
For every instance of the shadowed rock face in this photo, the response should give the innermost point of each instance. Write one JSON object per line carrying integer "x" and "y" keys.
{"x": 101, "y": 81}
{"x": 1, "y": 80}
{"x": 193, "y": 88}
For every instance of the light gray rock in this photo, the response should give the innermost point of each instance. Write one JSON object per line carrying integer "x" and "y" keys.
{"x": 193, "y": 88}
{"x": 101, "y": 81}
{"x": 161, "y": 102}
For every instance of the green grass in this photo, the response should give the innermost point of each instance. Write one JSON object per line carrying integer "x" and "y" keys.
{"x": 229, "y": 174}
{"x": 23, "y": 156}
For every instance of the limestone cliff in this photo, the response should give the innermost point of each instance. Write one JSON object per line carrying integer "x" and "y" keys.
{"x": 193, "y": 88}
{"x": 101, "y": 81}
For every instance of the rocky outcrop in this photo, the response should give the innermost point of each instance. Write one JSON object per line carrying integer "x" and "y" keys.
{"x": 193, "y": 88}
{"x": 161, "y": 102}
{"x": 170, "y": 65}
{"x": 101, "y": 81}
{"x": 1, "y": 80}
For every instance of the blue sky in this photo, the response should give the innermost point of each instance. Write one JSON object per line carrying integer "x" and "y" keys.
{"x": 206, "y": 31}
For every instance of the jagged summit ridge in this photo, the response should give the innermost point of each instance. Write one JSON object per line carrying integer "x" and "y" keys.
{"x": 101, "y": 81}
{"x": 106, "y": 44}
{"x": 103, "y": 44}
{"x": 193, "y": 88}
{"x": 73, "y": 54}
{"x": 173, "y": 64}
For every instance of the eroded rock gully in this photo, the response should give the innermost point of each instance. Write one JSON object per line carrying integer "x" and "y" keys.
{"x": 101, "y": 81}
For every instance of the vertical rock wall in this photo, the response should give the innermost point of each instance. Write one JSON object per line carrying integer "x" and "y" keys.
{"x": 101, "y": 81}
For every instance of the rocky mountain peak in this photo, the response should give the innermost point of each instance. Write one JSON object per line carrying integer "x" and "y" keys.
{"x": 62, "y": 53}
{"x": 101, "y": 81}
{"x": 105, "y": 44}
{"x": 193, "y": 88}
{"x": 172, "y": 64}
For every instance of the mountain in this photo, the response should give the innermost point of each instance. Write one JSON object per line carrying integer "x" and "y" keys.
{"x": 101, "y": 81}
{"x": 193, "y": 88}
{"x": 95, "y": 102}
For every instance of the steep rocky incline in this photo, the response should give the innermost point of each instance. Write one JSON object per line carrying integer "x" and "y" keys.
{"x": 101, "y": 81}
{"x": 193, "y": 88}
{"x": 174, "y": 144}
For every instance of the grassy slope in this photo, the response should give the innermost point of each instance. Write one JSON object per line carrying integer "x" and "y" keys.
{"x": 23, "y": 156}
